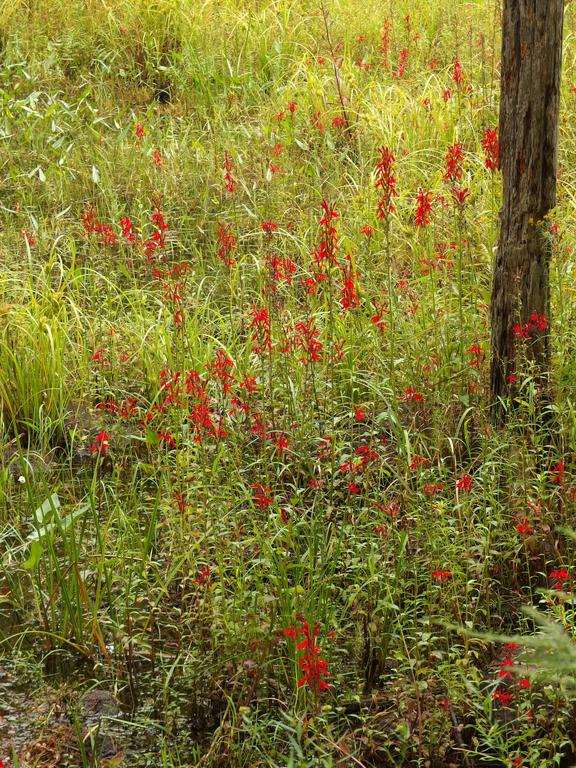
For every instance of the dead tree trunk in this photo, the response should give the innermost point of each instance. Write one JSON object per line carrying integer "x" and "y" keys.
{"x": 528, "y": 131}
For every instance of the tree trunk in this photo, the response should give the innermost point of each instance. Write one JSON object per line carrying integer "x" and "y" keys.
{"x": 528, "y": 132}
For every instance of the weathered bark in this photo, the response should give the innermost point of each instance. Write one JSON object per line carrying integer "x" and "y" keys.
{"x": 528, "y": 131}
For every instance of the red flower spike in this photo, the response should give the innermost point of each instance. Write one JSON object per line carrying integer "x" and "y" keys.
{"x": 491, "y": 149}
{"x": 457, "y": 72}
{"x": 307, "y": 339}
{"x": 261, "y": 496}
{"x": 464, "y": 484}
{"x": 453, "y": 160}
{"x": 101, "y": 444}
{"x": 558, "y": 578}
{"x": 558, "y": 473}
{"x": 442, "y": 576}
{"x": 227, "y": 244}
{"x": 523, "y": 527}
{"x": 386, "y": 182}
{"x": 401, "y": 70}
{"x": 385, "y": 43}
{"x": 502, "y": 698}
{"x": 229, "y": 167}
{"x": 423, "y": 207}
{"x": 315, "y": 668}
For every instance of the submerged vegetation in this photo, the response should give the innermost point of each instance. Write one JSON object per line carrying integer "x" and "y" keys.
{"x": 253, "y": 511}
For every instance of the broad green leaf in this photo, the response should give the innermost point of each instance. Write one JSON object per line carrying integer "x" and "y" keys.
{"x": 34, "y": 556}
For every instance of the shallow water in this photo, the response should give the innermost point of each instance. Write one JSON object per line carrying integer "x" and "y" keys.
{"x": 59, "y": 716}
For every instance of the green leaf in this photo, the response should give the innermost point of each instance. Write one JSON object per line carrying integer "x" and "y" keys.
{"x": 47, "y": 508}
{"x": 36, "y": 551}
{"x": 151, "y": 437}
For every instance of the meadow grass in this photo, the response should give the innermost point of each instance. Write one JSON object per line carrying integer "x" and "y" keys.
{"x": 244, "y": 418}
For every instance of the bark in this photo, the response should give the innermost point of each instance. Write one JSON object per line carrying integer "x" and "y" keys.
{"x": 528, "y": 131}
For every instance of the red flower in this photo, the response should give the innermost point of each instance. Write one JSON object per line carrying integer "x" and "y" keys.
{"x": 444, "y": 703}
{"x": 505, "y": 668}
{"x": 228, "y": 166}
{"x": 418, "y": 461}
{"x": 292, "y": 107}
{"x": 307, "y": 340}
{"x": 102, "y": 443}
{"x": 539, "y": 322}
{"x": 521, "y": 331}
{"x": 558, "y": 577}
{"x": 431, "y": 489}
{"x": 558, "y": 473}
{"x": 106, "y": 235}
{"x": 166, "y": 437}
{"x": 227, "y": 244}
{"x": 139, "y": 131}
{"x": 359, "y": 414}
{"x": 339, "y": 122}
{"x": 204, "y": 575}
{"x": 349, "y": 295}
{"x": 501, "y": 697}
{"x": 31, "y": 240}
{"x": 261, "y": 497}
{"x": 99, "y": 356}
{"x": 491, "y": 149}
{"x": 315, "y": 668}
{"x": 464, "y": 484}
{"x": 325, "y": 254}
{"x": 128, "y": 230}
{"x": 268, "y": 227}
{"x": 317, "y": 122}
{"x": 523, "y": 526}
{"x": 453, "y": 160}
{"x": 459, "y": 196}
{"x": 261, "y": 332}
{"x": 401, "y": 71}
{"x": 457, "y": 72}
{"x": 536, "y": 322}
{"x": 442, "y": 576}
{"x": 411, "y": 394}
{"x": 157, "y": 157}
{"x": 158, "y": 240}
{"x": 423, "y": 207}
{"x": 281, "y": 268}
{"x": 385, "y": 42}
{"x": 390, "y": 509}
{"x": 386, "y": 182}
{"x": 281, "y": 442}
{"x": 220, "y": 370}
